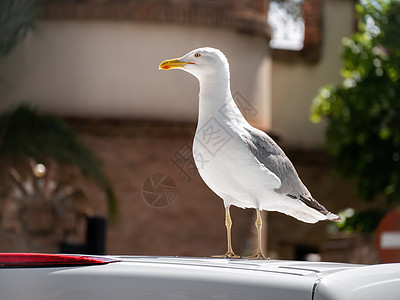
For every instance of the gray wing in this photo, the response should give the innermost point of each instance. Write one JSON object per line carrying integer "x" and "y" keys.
{"x": 274, "y": 159}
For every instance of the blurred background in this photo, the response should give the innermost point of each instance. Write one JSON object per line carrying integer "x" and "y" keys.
{"x": 95, "y": 142}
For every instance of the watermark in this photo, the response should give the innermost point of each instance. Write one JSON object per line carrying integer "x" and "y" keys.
{"x": 213, "y": 136}
{"x": 183, "y": 159}
{"x": 159, "y": 190}
{"x": 187, "y": 161}
{"x": 199, "y": 159}
{"x": 245, "y": 107}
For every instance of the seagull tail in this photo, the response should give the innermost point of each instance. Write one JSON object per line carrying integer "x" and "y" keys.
{"x": 332, "y": 217}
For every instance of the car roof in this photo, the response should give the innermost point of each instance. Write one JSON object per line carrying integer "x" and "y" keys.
{"x": 146, "y": 277}
{"x": 152, "y": 277}
{"x": 289, "y": 267}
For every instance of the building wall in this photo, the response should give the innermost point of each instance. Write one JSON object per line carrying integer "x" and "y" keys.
{"x": 295, "y": 82}
{"x": 110, "y": 69}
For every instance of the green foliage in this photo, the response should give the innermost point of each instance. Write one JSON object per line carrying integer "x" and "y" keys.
{"x": 16, "y": 18}
{"x": 363, "y": 113}
{"x": 26, "y": 133}
{"x": 362, "y": 221}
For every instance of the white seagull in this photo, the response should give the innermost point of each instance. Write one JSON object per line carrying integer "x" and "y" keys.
{"x": 240, "y": 163}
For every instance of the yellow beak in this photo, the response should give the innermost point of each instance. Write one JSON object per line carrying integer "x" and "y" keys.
{"x": 173, "y": 64}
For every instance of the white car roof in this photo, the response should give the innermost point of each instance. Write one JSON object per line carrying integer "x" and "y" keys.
{"x": 140, "y": 277}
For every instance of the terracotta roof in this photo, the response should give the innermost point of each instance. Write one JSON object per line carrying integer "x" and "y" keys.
{"x": 243, "y": 15}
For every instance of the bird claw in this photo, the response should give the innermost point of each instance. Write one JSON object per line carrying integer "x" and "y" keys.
{"x": 226, "y": 255}
{"x": 259, "y": 256}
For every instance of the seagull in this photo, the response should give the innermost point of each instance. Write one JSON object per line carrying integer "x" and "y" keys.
{"x": 240, "y": 163}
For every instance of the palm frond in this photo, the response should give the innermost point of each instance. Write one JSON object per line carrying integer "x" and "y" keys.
{"x": 16, "y": 18}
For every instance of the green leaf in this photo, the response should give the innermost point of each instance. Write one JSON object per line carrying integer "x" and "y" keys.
{"x": 363, "y": 113}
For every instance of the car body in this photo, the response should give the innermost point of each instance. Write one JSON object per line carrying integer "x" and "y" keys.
{"x": 179, "y": 278}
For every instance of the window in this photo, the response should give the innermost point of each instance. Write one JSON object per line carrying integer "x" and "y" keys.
{"x": 287, "y": 23}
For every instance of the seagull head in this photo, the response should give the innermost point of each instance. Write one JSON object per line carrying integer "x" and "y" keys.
{"x": 201, "y": 63}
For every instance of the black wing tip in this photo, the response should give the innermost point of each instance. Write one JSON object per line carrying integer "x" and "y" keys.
{"x": 311, "y": 202}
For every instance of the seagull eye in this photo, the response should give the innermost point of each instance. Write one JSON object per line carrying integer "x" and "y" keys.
{"x": 197, "y": 54}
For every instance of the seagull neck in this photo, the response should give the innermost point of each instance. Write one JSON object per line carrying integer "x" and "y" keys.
{"x": 215, "y": 98}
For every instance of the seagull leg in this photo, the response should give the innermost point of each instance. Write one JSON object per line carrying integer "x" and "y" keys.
{"x": 259, "y": 254}
{"x": 228, "y": 224}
